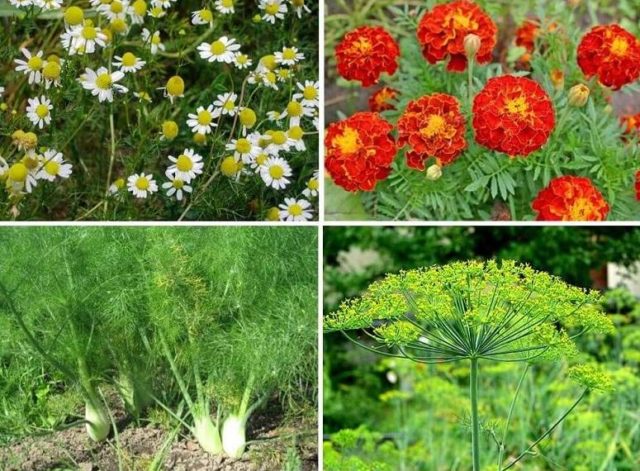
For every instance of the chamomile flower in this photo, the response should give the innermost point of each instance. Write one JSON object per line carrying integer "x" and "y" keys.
{"x": 246, "y": 148}
{"x": 4, "y": 167}
{"x": 231, "y": 166}
{"x": 53, "y": 166}
{"x": 114, "y": 10}
{"x": 241, "y": 61}
{"x": 221, "y": 50}
{"x": 278, "y": 141}
{"x": 143, "y": 96}
{"x": 141, "y": 185}
{"x": 296, "y": 210}
{"x": 51, "y": 72}
{"x": 154, "y": 40}
{"x": 21, "y": 3}
{"x": 260, "y": 161}
{"x": 32, "y": 66}
{"x": 101, "y": 83}
{"x": 176, "y": 187}
{"x": 83, "y": 39}
{"x": 39, "y": 111}
{"x": 1, "y": 91}
{"x": 157, "y": 12}
{"x": 299, "y": 7}
{"x": 202, "y": 17}
{"x": 296, "y": 135}
{"x": 128, "y": 62}
{"x": 284, "y": 74}
{"x": 269, "y": 80}
{"x": 48, "y": 4}
{"x": 313, "y": 185}
{"x": 309, "y": 93}
{"x": 137, "y": 12}
{"x": 273, "y": 10}
{"x": 116, "y": 186}
{"x": 289, "y": 56}
{"x": 225, "y": 6}
{"x": 162, "y": 3}
{"x": 274, "y": 173}
{"x": 186, "y": 166}
{"x": 174, "y": 88}
{"x": 19, "y": 178}
{"x": 225, "y": 104}
{"x": 296, "y": 111}
{"x": 202, "y": 122}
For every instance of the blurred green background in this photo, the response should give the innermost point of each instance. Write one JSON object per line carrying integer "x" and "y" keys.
{"x": 388, "y": 414}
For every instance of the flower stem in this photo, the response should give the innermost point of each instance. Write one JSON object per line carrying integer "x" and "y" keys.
{"x": 112, "y": 158}
{"x": 511, "y": 409}
{"x": 475, "y": 423}
{"x": 470, "y": 81}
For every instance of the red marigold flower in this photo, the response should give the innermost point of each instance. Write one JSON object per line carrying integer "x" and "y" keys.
{"x": 433, "y": 127}
{"x": 631, "y": 123}
{"x": 513, "y": 115}
{"x": 359, "y": 151}
{"x": 638, "y": 185}
{"x": 527, "y": 33}
{"x": 570, "y": 198}
{"x": 365, "y": 53}
{"x": 380, "y": 100}
{"x": 442, "y": 30}
{"x": 612, "y": 54}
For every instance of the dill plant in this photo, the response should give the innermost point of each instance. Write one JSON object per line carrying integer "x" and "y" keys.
{"x": 478, "y": 312}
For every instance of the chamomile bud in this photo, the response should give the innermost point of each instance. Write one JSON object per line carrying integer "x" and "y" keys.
{"x": 175, "y": 87}
{"x": 257, "y": 18}
{"x": 118, "y": 25}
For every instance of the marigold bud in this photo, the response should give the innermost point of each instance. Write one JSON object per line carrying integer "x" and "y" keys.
{"x": 557, "y": 78}
{"x": 578, "y": 95}
{"x": 574, "y": 3}
{"x": 472, "y": 43}
{"x": 434, "y": 172}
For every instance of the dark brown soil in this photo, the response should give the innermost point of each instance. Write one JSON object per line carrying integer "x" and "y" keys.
{"x": 270, "y": 444}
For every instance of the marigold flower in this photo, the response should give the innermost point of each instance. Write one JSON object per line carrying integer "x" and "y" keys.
{"x": 637, "y": 185}
{"x": 380, "y": 100}
{"x": 527, "y": 33}
{"x": 631, "y": 123}
{"x": 513, "y": 115}
{"x": 433, "y": 127}
{"x": 570, "y": 198}
{"x": 442, "y": 30}
{"x": 359, "y": 151}
{"x": 612, "y": 54}
{"x": 365, "y": 53}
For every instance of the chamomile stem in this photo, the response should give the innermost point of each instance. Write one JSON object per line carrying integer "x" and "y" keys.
{"x": 475, "y": 422}
{"x": 112, "y": 158}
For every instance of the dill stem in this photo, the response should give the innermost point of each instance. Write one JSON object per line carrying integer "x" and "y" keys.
{"x": 475, "y": 423}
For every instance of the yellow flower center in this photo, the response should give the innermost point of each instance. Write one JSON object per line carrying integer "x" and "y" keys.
{"x": 269, "y": 61}
{"x": 51, "y": 70}
{"x": 184, "y": 163}
{"x": 170, "y": 129}
{"x": 242, "y": 59}
{"x": 518, "y": 106}
{"x": 296, "y": 133}
{"x": 175, "y": 86}
{"x": 229, "y": 166}
{"x": 89, "y": 32}
{"x": 436, "y": 125}
{"x": 261, "y": 159}
{"x": 116, "y": 7}
{"x": 276, "y": 171}
{"x": 35, "y": 63}
{"x": 52, "y": 167}
{"x": 103, "y": 81}
{"x": 18, "y": 172}
{"x": 295, "y": 209}
{"x": 362, "y": 46}
{"x": 128, "y": 60}
{"x": 270, "y": 77}
{"x": 229, "y": 105}
{"x": 139, "y": 7}
{"x": 155, "y": 39}
{"x": 294, "y": 109}
{"x": 142, "y": 183}
{"x": 248, "y": 117}
{"x": 288, "y": 54}
{"x": 313, "y": 184}
{"x": 272, "y": 8}
{"x": 42, "y": 111}
{"x": 348, "y": 142}
{"x": 461, "y": 21}
{"x": 227, "y": 3}
{"x": 619, "y": 46}
{"x": 217, "y": 48}
{"x": 310, "y": 92}
{"x": 119, "y": 25}
{"x": 204, "y": 118}
{"x": 580, "y": 210}
{"x": 178, "y": 184}
{"x": 279, "y": 137}
{"x": 206, "y": 15}
{"x": 73, "y": 15}
{"x": 243, "y": 146}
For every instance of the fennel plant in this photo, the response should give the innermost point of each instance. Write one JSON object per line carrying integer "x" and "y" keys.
{"x": 478, "y": 312}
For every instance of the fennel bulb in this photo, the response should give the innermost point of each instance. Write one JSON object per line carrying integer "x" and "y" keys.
{"x": 207, "y": 434}
{"x": 234, "y": 436}
{"x": 98, "y": 424}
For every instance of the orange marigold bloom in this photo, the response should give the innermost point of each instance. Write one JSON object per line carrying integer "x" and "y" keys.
{"x": 381, "y": 100}
{"x": 612, "y": 54}
{"x": 570, "y": 198}
{"x": 513, "y": 115}
{"x": 359, "y": 151}
{"x": 442, "y": 30}
{"x": 631, "y": 123}
{"x": 433, "y": 127}
{"x": 365, "y": 53}
{"x": 527, "y": 33}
